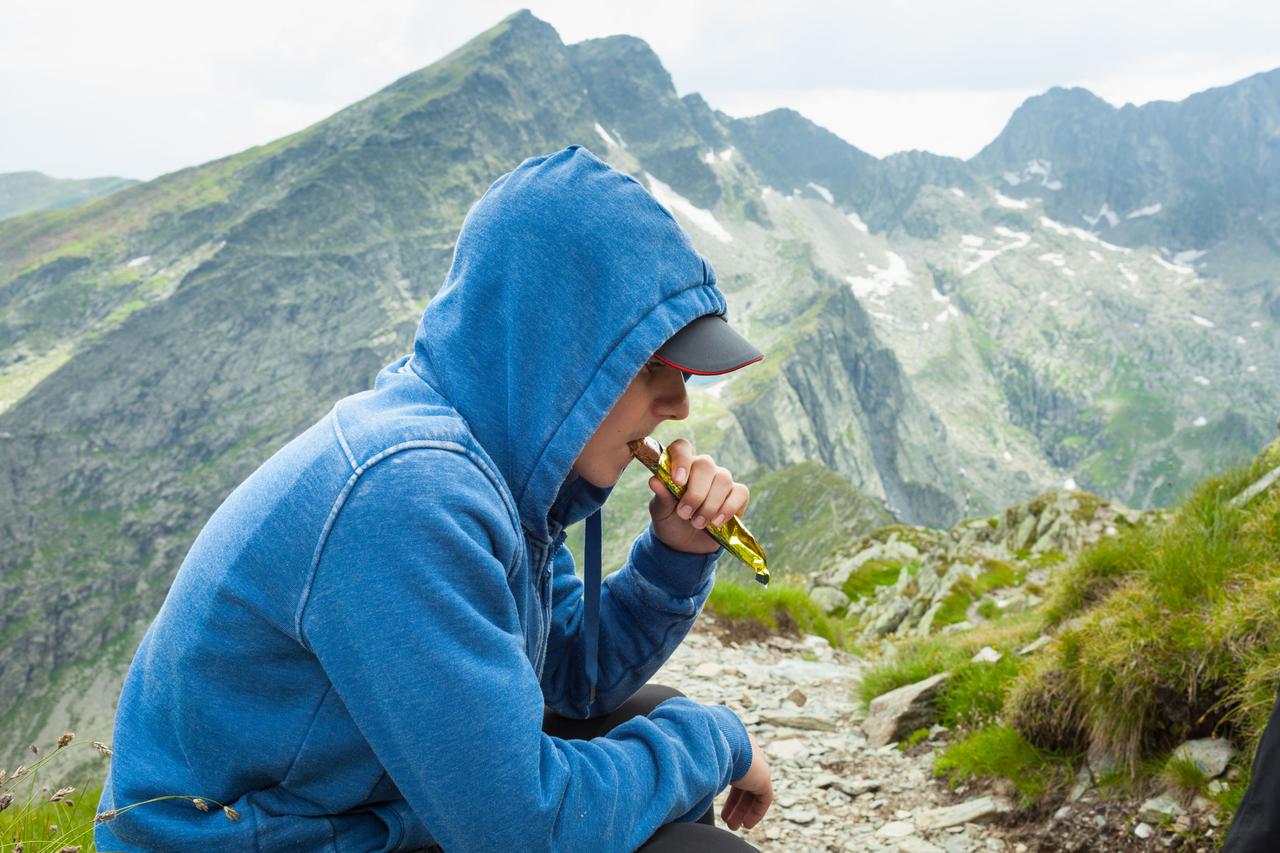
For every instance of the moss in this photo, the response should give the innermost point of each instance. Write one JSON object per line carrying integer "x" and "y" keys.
{"x": 953, "y": 609}
{"x": 870, "y": 576}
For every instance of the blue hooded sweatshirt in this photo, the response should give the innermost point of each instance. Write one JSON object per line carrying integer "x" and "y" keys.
{"x": 357, "y": 651}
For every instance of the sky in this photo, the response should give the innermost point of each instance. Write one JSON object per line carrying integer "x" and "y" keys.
{"x": 139, "y": 88}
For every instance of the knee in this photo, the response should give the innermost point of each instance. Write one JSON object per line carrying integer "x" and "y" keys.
{"x": 652, "y": 695}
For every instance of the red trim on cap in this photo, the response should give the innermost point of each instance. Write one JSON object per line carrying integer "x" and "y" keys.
{"x": 705, "y": 372}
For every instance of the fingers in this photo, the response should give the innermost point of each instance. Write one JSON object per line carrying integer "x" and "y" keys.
{"x": 730, "y": 805}
{"x": 681, "y": 453}
{"x": 711, "y": 494}
{"x": 663, "y": 503}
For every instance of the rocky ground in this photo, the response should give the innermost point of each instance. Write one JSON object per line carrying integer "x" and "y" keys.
{"x": 834, "y": 793}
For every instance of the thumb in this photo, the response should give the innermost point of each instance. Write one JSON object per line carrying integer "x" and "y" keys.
{"x": 663, "y": 503}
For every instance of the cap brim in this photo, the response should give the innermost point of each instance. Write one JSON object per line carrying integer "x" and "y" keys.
{"x": 708, "y": 346}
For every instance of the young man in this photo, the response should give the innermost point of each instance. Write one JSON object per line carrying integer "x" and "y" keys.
{"x": 365, "y": 641}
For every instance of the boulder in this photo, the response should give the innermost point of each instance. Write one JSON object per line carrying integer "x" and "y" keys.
{"x": 966, "y": 812}
{"x": 830, "y": 599}
{"x": 1211, "y": 755}
{"x": 896, "y": 714}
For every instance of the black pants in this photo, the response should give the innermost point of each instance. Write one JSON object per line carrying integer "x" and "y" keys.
{"x": 674, "y": 837}
{"x": 1256, "y": 825}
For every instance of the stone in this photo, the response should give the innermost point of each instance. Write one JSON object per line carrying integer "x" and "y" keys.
{"x": 800, "y": 816}
{"x": 709, "y": 669}
{"x": 1035, "y": 645}
{"x": 896, "y": 829}
{"x": 850, "y": 787}
{"x": 986, "y": 654}
{"x": 1211, "y": 755}
{"x": 1143, "y": 831}
{"x": 812, "y": 722}
{"x": 893, "y": 715}
{"x": 970, "y": 811}
{"x": 914, "y": 844}
{"x": 797, "y": 697}
{"x": 787, "y": 748}
{"x": 829, "y": 599}
{"x": 1160, "y": 808}
{"x": 891, "y": 618}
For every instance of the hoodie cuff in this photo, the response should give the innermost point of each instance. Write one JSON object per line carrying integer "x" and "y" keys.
{"x": 677, "y": 573}
{"x": 734, "y": 731}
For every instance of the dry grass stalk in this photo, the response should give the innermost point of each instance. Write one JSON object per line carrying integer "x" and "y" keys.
{"x": 66, "y": 739}
{"x": 200, "y": 804}
{"x": 102, "y": 747}
{"x": 60, "y": 794}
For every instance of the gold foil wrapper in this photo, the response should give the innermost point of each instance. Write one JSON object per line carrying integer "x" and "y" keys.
{"x": 732, "y": 534}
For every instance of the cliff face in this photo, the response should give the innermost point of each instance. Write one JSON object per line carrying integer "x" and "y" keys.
{"x": 937, "y": 342}
{"x": 842, "y": 398}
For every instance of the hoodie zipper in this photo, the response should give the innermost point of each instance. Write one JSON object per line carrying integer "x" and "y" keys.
{"x": 546, "y": 557}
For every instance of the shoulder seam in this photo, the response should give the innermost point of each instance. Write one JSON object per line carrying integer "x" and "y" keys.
{"x": 341, "y": 499}
{"x": 342, "y": 439}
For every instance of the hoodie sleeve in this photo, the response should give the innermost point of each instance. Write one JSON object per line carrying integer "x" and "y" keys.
{"x": 646, "y": 609}
{"x": 410, "y": 615}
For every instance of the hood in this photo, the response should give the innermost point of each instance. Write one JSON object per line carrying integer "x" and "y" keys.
{"x": 566, "y": 277}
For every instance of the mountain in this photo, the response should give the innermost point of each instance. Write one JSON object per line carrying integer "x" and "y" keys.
{"x": 24, "y": 192}
{"x": 938, "y": 343}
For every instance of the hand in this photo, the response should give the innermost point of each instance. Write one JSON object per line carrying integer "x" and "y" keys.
{"x": 749, "y": 797}
{"x": 710, "y": 497}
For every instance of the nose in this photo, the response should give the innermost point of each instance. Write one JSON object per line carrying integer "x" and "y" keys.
{"x": 673, "y": 400}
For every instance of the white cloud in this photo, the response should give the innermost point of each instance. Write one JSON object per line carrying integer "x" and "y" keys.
{"x": 142, "y": 87}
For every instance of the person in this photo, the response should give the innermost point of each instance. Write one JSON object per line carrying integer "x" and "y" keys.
{"x": 379, "y": 641}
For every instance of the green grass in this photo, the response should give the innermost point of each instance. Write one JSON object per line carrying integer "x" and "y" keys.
{"x": 999, "y": 752}
{"x": 1174, "y": 631}
{"x": 782, "y": 600}
{"x": 870, "y": 576}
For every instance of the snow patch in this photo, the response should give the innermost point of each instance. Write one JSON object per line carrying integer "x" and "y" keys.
{"x": 957, "y": 192}
{"x": 896, "y": 274}
{"x": 1054, "y": 258}
{"x": 1080, "y": 233}
{"x": 945, "y": 313}
{"x": 1201, "y": 321}
{"x": 727, "y": 153}
{"x": 1149, "y": 210}
{"x": 1070, "y": 483}
{"x": 1005, "y": 201}
{"x": 823, "y": 191}
{"x": 673, "y": 201}
{"x": 940, "y": 297}
{"x": 1104, "y": 212}
{"x": 604, "y": 134}
{"x": 1253, "y": 368}
{"x": 709, "y": 158}
{"x": 1256, "y": 324}
{"x": 1200, "y": 421}
{"x": 972, "y": 240}
{"x": 1093, "y": 253}
{"x": 1068, "y": 271}
{"x": 1019, "y": 240}
{"x": 138, "y": 261}
{"x": 1202, "y": 380}
{"x": 1011, "y": 179}
{"x": 1129, "y": 276}
{"x": 1189, "y": 256}
{"x": 1173, "y": 267}
{"x": 857, "y": 222}
{"x": 1008, "y": 457}
{"x": 1240, "y": 340}
{"x": 1055, "y": 184}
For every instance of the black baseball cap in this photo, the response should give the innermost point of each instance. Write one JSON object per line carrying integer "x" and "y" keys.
{"x": 708, "y": 346}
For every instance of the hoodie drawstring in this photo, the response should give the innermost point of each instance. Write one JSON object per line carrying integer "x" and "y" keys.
{"x": 591, "y": 582}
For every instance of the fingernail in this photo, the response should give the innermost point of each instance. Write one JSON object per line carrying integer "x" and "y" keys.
{"x": 699, "y": 522}
{"x": 680, "y": 475}
{"x": 685, "y": 511}
{"x": 717, "y": 520}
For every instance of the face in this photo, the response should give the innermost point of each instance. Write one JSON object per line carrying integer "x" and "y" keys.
{"x": 656, "y": 394}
